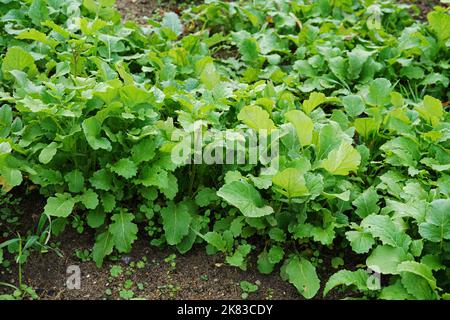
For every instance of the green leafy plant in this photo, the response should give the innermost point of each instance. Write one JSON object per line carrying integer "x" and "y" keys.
{"x": 247, "y": 288}
{"x": 92, "y": 110}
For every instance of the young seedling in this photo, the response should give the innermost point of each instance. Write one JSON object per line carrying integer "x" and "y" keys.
{"x": 247, "y": 288}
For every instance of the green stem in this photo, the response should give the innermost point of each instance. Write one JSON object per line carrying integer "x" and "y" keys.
{"x": 191, "y": 181}
{"x": 20, "y": 262}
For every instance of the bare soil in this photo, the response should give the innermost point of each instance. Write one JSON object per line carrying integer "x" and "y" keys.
{"x": 424, "y": 6}
{"x": 140, "y": 10}
{"x": 194, "y": 275}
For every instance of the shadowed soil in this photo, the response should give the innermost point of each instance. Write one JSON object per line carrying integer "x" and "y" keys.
{"x": 194, "y": 275}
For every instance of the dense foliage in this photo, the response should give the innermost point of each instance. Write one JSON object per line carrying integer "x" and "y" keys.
{"x": 355, "y": 89}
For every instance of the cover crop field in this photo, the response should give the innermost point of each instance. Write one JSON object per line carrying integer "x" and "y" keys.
{"x": 294, "y": 148}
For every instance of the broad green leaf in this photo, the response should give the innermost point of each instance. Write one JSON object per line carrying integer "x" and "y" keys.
{"x": 9, "y": 178}
{"x": 96, "y": 218}
{"x": 348, "y": 278}
{"x": 431, "y": 110}
{"x": 125, "y": 168}
{"x": 172, "y": 22}
{"x": 324, "y": 233}
{"x": 395, "y": 291}
{"x": 397, "y": 100}
{"x": 38, "y": 11}
{"x": 48, "y": 153}
{"x": 172, "y": 187}
{"x": 62, "y": 68}
{"x": 330, "y": 137}
{"x": 412, "y": 72}
{"x": 417, "y": 286}
{"x": 153, "y": 175}
{"x": 416, "y": 247}
{"x": 75, "y": 181}
{"x": 436, "y": 227}
{"x": 205, "y": 196}
{"x": 366, "y": 127}
{"x": 277, "y": 234}
{"x": 238, "y": 257}
{"x": 263, "y": 263}
{"x": 5, "y": 148}
{"x": 123, "y": 230}
{"x": 18, "y": 59}
{"x": 270, "y": 41}
{"x": 339, "y": 67}
{"x": 382, "y": 227}
{"x": 209, "y": 76}
{"x": 343, "y": 160}
{"x": 59, "y": 206}
{"x": 303, "y": 126}
{"x": 356, "y": 59}
{"x": 133, "y": 95}
{"x": 434, "y": 262}
{"x": 366, "y": 203}
{"x": 292, "y": 183}
{"x": 440, "y": 24}
{"x": 144, "y": 150}
{"x": 353, "y": 105}
{"x": 275, "y": 254}
{"x": 385, "y": 259}
{"x": 214, "y": 239}
{"x": 302, "y": 274}
{"x": 176, "y": 220}
{"x": 33, "y": 34}
{"x": 89, "y": 199}
{"x": 344, "y": 196}
{"x": 419, "y": 269}
{"x": 188, "y": 241}
{"x": 92, "y": 129}
{"x": 315, "y": 99}
{"x": 236, "y": 226}
{"x": 379, "y": 92}
{"x": 248, "y": 48}
{"x": 361, "y": 242}
{"x": 6, "y": 120}
{"x": 101, "y": 180}
{"x": 401, "y": 151}
{"x": 108, "y": 202}
{"x": 246, "y": 198}
{"x": 103, "y": 246}
{"x": 256, "y": 118}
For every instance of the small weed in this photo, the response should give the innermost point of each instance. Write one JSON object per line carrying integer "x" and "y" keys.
{"x": 269, "y": 294}
{"x": 84, "y": 255}
{"x": 115, "y": 271}
{"x": 171, "y": 260}
{"x": 169, "y": 290}
{"x": 247, "y": 288}
{"x": 126, "y": 294}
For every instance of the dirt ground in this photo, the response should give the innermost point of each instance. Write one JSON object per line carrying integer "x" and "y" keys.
{"x": 424, "y": 6}
{"x": 149, "y": 274}
{"x": 195, "y": 276}
{"x": 140, "y": 10}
